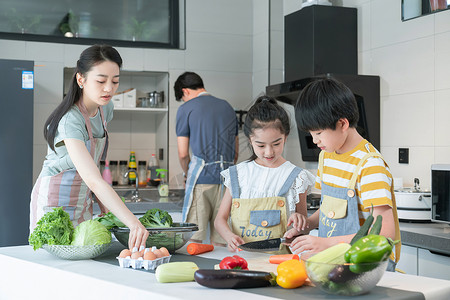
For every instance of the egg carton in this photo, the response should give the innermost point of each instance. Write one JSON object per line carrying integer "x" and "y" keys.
{"x": 140, "y": 263}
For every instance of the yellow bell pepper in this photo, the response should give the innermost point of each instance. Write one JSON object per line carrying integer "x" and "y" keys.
{"x": 291, "y": 274}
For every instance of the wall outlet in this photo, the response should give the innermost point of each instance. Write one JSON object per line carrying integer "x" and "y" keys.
{"x": 403, "y": 155}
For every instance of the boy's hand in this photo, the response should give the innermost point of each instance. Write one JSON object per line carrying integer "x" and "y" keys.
{"x": 309, "y": 243}
{"x": 298, "y": 221}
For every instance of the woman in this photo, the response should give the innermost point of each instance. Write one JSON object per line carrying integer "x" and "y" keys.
{"x": 77, "y": 140}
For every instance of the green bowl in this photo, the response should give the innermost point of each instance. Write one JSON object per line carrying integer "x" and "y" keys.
{"x": 173, "y": 238}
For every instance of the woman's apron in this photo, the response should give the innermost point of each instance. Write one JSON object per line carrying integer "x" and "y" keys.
{"x": 67, "y": 189}
{"x": 339, "y": 209}
{"x": 196, "y": 166}
{"x": 257, "y": 219}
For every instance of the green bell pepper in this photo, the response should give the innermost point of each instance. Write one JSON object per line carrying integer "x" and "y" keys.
{"x": 367, "y": 251}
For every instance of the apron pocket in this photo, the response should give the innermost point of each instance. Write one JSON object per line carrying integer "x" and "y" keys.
{"x": 265, "y": 218}
{"x": 334, "y": 208}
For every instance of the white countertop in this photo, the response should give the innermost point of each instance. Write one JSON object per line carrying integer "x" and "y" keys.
{"x": 28, "y": 274}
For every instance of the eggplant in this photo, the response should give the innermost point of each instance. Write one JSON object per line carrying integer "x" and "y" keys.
{"x": 341, "y": 274}
{"x": 234, "y": 279}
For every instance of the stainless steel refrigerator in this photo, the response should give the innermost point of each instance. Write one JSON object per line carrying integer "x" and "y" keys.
{"x": 16, "y": 150}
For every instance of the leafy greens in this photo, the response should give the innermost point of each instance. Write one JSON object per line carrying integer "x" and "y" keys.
{"x": 54, "y": 228}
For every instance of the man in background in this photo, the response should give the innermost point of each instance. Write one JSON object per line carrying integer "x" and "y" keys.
{"x": 209, "y": 126}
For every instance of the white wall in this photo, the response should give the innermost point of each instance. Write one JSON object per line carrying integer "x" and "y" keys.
{"x": 219, "y": 37}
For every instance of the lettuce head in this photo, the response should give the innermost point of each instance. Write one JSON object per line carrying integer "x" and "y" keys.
{"x": 91, "y": 232}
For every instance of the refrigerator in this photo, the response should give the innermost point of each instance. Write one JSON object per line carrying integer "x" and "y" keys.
{"x": 16, "y": 150}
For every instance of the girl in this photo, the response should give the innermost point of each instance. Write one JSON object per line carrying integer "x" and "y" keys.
{"x": 265, "y": 194}
{"x": 77, "y": 140}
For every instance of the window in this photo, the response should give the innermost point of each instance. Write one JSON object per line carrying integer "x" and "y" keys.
{"x": 133, "y": 23}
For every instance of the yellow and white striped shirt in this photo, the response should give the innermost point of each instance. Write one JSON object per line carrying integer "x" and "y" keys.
{"x": 374, "y": 181}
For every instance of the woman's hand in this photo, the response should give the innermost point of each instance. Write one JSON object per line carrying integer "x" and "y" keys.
{"x": 138, "y": 235}
{"x": 298, "y": 221}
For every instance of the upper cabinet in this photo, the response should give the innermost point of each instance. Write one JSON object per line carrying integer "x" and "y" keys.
{"x": 131, "y": 23}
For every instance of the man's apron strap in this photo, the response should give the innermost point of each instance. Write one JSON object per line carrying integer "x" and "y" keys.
{"x": 289, "y": 181}
{"x": 235, "y": 192}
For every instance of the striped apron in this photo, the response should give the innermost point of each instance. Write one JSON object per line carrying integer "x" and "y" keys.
{"x": 67, "y": 189}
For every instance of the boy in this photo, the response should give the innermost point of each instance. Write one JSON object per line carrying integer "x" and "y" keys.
{"x": 352, "y": 175}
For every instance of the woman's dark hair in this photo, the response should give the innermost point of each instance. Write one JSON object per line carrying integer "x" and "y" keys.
{"x": 89, "y": 58}
{"x": 323, "y": 103}
{"x": 189, "y": 80}
{"x": 264, "y": 113}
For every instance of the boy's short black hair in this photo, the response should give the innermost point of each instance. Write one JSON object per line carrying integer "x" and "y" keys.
{"x": 188, "y": 80}
{"x": 323, "y": 102}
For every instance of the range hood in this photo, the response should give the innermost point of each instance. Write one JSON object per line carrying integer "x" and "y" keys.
{"x": 322, "y": 41}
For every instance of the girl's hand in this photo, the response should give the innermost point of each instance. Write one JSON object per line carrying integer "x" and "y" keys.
{"x": 309, "y": 243}
{"x": 298, "y": 221}
{"x": 138, "y": 235}
{"x": 291, "y": 233}
{"x": 234, "y": 241}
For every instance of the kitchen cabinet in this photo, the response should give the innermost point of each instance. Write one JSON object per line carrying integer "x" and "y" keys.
{"x": 433, "y": 265}
{"x": 422, "y": 262}
{"x": 408, "y": 260}
{"x": 140, "y": 129}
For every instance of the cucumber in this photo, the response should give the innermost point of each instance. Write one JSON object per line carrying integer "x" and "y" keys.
{"x": 363, "y": 230}
{"x": 376, "y": 228}
{"x": 234, "y": 279}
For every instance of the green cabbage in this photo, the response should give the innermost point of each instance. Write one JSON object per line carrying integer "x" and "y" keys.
{"x": 91, "y": 232}
{"x": 54, "y": 228}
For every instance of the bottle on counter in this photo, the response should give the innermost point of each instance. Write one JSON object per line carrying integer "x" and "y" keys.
{"x": 132, "y": 167}
{"x": 123, "y": 168}
{"x": 142, "y": 173}
{"x": 163, "y": 187}
{"x": 152, "y": 174}
{"x": 114, "y": 172}
{"x": 107, "y": 176}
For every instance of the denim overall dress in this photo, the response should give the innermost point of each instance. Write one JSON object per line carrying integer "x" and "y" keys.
{"x": 258, "y": 219}
{"x": 67, "y": 189}
{"x": 339, "y": 208}
{"x": 196, "y": 166}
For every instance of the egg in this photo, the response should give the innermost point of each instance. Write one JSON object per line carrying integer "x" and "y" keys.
{"x": 136, "y": 255}
{"x": 149, "y": 256}
{"x": 164, "y": 251}
{"x": 124, "y": 253}
{"x": 158, "y": 253}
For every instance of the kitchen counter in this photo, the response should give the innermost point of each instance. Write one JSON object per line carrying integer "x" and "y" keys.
{"x": 431, "y": 236}
{"x": 28, "y": 274}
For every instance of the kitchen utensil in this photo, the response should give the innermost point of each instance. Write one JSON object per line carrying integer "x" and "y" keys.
{"x": 413, "y": 204}
{"x": 173, "y": 238}
{"x": 76, "y": 252}
{"x": 338, "y": 279}
{"x": 266, "y": 245}
{"x": 156, "y": 98}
